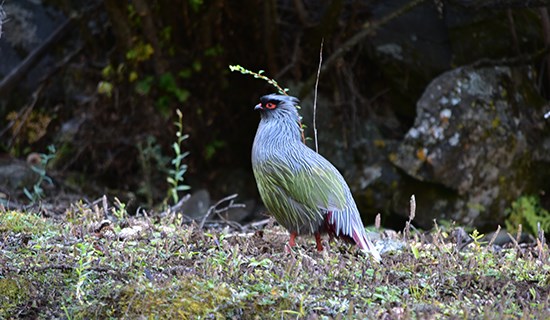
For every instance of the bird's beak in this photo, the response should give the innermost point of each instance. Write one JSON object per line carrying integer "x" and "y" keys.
{"x": 258, "y": 107}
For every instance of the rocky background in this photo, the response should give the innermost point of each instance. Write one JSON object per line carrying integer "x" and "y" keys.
{"x": 445, "y": 100}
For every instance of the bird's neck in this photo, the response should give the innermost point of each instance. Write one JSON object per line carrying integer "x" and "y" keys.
{"x": 281, "y": 132}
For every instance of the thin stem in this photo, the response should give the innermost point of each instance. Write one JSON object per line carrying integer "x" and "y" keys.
{"x": 315, "y": 96}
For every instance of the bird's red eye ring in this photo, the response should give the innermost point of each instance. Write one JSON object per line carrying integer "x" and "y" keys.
{"x": 270, "y": 105}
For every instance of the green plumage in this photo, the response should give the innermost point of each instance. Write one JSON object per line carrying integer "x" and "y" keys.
{"x": 297, "y": 197}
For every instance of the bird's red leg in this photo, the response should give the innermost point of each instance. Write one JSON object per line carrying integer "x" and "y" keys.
{"x": 318, "y": 240}
{"x": 291, "y": 241}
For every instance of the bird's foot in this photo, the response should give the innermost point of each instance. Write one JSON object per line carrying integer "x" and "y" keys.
{"x": 318, "y": 240}
{"x": 291, "y": 242}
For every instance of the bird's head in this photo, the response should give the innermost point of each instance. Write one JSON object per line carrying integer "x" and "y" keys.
{"x": 277, "y": 106}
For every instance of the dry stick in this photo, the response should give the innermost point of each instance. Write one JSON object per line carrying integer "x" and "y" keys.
{"x": 15, "y": 76}
{"x": 24, "y": 116}
{"x": 25, "y": 112}
{"x": 213, "y": 209}
{"x": 315, "y": 96}
{"x": 20, "y": 71}
{"x": 255, "y": 225}
{"x": 412, "y": 214}
{"x": 494, "y": 237}
{"x": 540, "y": 242}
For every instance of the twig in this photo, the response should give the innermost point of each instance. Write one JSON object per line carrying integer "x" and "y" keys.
{"x": 177, "y": 206}
{"x": 19, "y": 72}
{"x": 213, "y": 209}
{"x": 105, "y": 206}
{"x": 518, "y": 234}
{"x": 22, "y": 116}
{"x": 494, "y": 237}
{"x": 315, "y": 96}
{"x": 25, "y": 112}
{"x": 293, "y": 61}
{"x": 15, "y": 76}
{"x": 412, "y": 214}
{"x": 259, "y": 75}
{"x": 516, "y": 244}
{"x": 512, "y": 24}
{"x": 257, "y": 224}
{"x": 541, "y": 241}
{"x": 511, "y": 61}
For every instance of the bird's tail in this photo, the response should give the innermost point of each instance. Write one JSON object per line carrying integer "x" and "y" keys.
{"x": 352, "y": 230}
{"x": 360, "y": 238}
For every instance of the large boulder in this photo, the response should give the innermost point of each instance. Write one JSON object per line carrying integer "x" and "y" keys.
{"x": 477, "y": 141}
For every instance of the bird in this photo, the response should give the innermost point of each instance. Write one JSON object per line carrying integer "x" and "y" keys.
{"x": 301, "y": 189}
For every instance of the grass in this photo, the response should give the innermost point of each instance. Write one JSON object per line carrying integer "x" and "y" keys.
{"x": 74, "y": 269}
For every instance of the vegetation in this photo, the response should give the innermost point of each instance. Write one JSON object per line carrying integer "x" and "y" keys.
{"x": 527, "y": 211}
{"x": 37, "y": 192}
{"x": 81, "y": 268}
{"x": 175, "y": 178}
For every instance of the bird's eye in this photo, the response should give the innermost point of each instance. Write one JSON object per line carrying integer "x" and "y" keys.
{"x": 270, "y": 105}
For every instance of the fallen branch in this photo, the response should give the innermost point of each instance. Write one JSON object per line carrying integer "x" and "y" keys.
{"x": 214, "y": 208}
{"x": 19, "y": 72}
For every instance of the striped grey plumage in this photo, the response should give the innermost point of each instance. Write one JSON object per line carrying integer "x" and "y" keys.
{"x": 299, "y": 187}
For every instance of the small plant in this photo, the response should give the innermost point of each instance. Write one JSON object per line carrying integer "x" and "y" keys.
{"x": 477, "y": 237}
{"x": 259, "y": 75}
{"x": 151, "y": 161}
{"x": 527, "y": 211}
{"x": 175, "y": 178}
{"x": 37, "y": 192}
{"x": 120, "y": 212}
{"x": 82, "y": 269}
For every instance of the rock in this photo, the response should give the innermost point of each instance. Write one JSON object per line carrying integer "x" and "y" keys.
{"x": 29, "y": 24}
{"x": 472, "y": 146}
{"x": 241, "y": 214}
{"x": 130, "y": 233}
{"x": 15, "y": 175}
{"x": 197, "y": 205}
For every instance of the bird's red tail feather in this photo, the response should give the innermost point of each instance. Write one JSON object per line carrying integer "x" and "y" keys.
{"x": 358, "y": 236}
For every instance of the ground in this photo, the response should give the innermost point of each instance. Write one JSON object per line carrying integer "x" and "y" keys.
{"x": 88, "y": 265}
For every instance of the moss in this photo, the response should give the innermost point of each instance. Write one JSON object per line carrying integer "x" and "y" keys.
{"x": 15, "y": 221}
{"x": 187, "y": 298}
{"x": 13, "y": 293}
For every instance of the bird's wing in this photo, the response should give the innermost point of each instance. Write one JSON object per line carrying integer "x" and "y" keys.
{"x": 310, "y": 180}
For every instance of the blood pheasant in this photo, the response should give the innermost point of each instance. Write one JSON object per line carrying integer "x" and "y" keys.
{"x": 303, "y": 191}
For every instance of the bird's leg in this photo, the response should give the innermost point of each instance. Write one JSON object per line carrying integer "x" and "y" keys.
{"x": 291, "y": 242}
{"x": 318, "y": 240}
